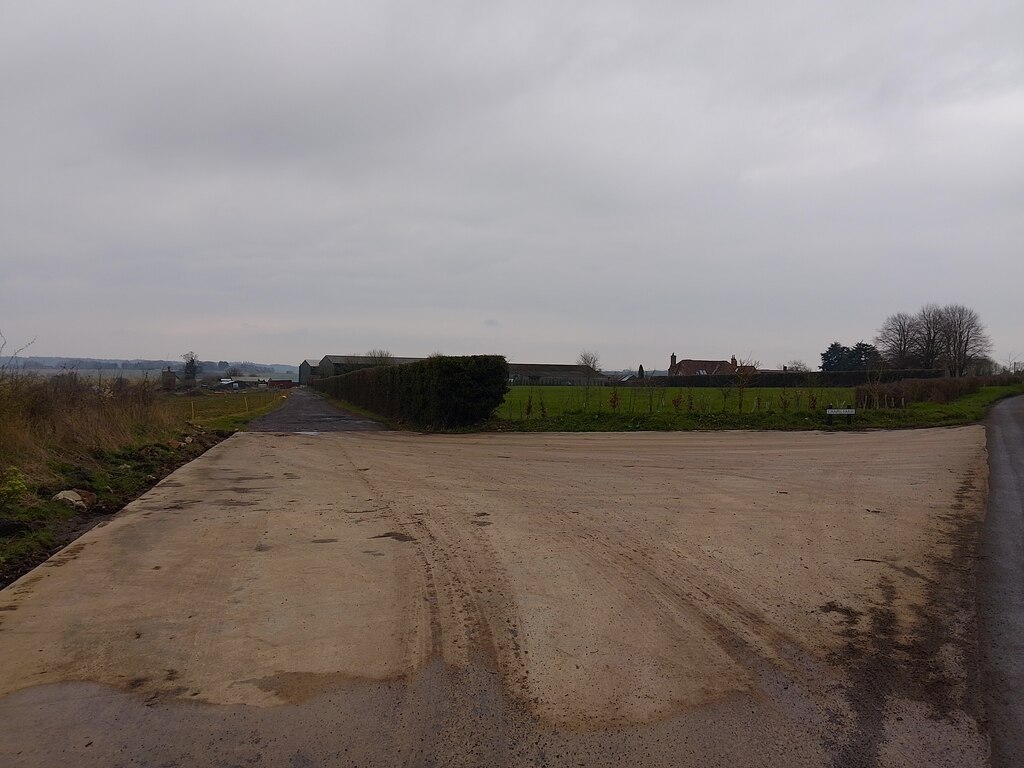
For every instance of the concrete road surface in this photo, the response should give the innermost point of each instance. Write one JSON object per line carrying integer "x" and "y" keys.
{"x": 373, "y": 598}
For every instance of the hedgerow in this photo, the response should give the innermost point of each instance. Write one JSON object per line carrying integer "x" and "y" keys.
{"x": 900, "y": 394}
{"x": 436, "y": 393}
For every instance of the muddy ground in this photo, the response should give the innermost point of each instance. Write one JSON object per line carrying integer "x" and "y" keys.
{"x": 383, "y": 598}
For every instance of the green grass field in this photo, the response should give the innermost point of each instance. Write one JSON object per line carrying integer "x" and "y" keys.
{"x": 577, "y": 409}
{"x": 527, "y": 402}
{"x": 225, "y": 410}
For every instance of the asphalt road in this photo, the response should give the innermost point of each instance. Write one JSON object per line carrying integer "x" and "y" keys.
{"x": 306, "y": 411}
{"x": 1001, "y": 593}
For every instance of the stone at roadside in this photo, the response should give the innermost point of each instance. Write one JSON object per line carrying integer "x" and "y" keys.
{"x": 88, "y": 497}
{"x": 188, "y": 440}
{"x": 78, "y": 498}
{"x": 71, "y": 498}
{"x": 174, "y": 444}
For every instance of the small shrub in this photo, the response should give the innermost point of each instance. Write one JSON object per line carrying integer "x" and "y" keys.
{"x": 13, "y": 486}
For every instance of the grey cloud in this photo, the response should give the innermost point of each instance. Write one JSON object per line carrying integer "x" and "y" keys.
{"x": 639, "y": 178}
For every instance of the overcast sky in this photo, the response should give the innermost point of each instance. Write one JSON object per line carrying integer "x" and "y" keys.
{"x": 276, "y": 181}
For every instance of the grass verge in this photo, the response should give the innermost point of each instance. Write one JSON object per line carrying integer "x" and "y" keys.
{"x": 113, "y": 445}
{"x": 345, "y": 405}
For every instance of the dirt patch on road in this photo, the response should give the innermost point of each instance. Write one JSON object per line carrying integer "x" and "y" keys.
{"x": 662, "y": 592}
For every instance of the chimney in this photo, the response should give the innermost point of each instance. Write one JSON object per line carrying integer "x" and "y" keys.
{"x": 673, "y": 363}
{"x": 733, "y": 361}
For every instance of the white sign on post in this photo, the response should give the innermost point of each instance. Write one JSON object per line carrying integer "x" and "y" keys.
{"x": 840, "y": 411}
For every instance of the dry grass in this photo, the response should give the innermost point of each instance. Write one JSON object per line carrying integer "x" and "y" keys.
{"x": 109, "y": 437}
{"x": 69, "y": 419}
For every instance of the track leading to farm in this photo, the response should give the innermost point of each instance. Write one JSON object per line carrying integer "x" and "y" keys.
{"x": 384, "y": 598}
{"x": 306, "y": 411}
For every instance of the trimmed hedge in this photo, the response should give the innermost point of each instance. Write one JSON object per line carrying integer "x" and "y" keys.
{"x": 793, "y": 378}
{"x": 438, "y": 393}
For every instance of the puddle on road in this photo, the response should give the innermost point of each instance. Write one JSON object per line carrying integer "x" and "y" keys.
{"x": 440, "y": 716}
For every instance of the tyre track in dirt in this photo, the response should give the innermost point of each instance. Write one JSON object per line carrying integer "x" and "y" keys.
{"x": 448, "y": 705}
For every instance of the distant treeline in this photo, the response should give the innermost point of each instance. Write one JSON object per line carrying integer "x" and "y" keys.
{"x": 90, "y": 364}
{"x": 437, "y": 393}
{"x": 793, "y": 378}
{"x": 95, "y": 364}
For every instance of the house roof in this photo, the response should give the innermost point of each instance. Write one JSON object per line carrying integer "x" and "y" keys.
{"x": 550, "y": 370}
{"x": 709, "y": 368}
{"x": 701, "y": 368}
{"x": 311, "y": 363}
{"x": 365, "y": 360}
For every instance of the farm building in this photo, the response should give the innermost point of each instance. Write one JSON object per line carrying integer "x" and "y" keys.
{"x": 249, "y": 382}
{"x": 308, "y": 371}
{"x": 705, "y": 367}
{"x": 335, "y": 365}
{"x": 543, "y": 373}
{"x": 169, "y": 379}
{"x": 519, "y": 373}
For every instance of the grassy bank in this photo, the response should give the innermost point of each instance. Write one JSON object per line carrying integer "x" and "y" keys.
{"x": 537, "y": 409}
{"x": 111, "y": 440}
{"x": 524, "y": 402}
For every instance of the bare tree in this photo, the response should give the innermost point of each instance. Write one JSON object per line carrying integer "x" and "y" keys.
{"x": 589, "y": 358}
{"x": 191, "y": 368}
{"x": 381, "y": 357}
{"x": 873, "y": 383}
{"x": 744, "y": 374}
{"x": 9, "y": 365}
{"x": 927, "y": 346}
{"x": 964, "y": 340}
{"x": 897, "y": 338}
{"x": 796, "y": 365}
